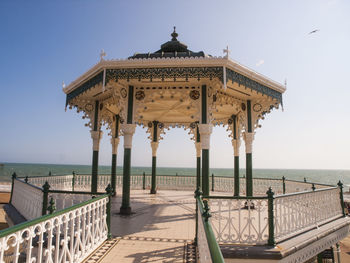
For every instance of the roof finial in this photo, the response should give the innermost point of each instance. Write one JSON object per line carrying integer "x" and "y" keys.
{"x": 227, "y": 51}
{"x": 174, "y": 35}
{"x": 102, "y": 54}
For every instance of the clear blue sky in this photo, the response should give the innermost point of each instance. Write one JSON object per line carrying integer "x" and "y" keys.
{"x": 43, "y": 43}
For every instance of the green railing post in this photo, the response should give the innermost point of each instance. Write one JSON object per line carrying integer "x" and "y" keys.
{"x": 313, "y": 187}
{"x": 304, "y": 179}
{"x": 212, "y": 182}
{"x": 26, "y": 179}
{"x": 109, "y": 191}
{"x": 197, "y": 194}
{"x": 52, "y": 207}
{"x": 271, "y": 240}
{"x": 14, "y": 176}
{"x": 340, "y": 185}
{"x": 50, "y": 173}
{"x": 46, "y": 188}
{"x": 73, "y": 181}
{"x": 206, "y": 214}
{"x": 144, "y": 181}
{"x": 284, "y": 184}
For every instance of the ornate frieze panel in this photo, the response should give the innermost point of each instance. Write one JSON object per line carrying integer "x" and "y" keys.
{"x": 173, "y": 73}
{"x": 252, "y": 84}
{"x": 167, "y": 104}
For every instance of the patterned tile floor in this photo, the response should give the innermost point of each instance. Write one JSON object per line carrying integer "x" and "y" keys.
{"x": 160, "y": 229}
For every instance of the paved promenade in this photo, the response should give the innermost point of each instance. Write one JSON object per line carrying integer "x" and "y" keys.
{"x": 160, "y": 229}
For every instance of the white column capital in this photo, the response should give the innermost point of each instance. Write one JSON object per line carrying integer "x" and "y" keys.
{"x": 128, "y": 131}
{"x": 154, "y": 146}
{"x": 198, "y": 149}
{"x": 115, "y": 144}
{"x": 236, "y": 143}
{"x": 205, "y": 131}
{"x": 96, "y": 137}
{"x": 248, "y": 139}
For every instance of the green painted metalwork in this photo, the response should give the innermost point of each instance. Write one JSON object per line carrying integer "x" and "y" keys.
{"x": 249, "y": 175}
{"x": 125, "y": 208}
{"x": 340, "y": 185}
{"x": 94, "y": 171}
{"x": 14, "y": 175}
{"x": 205, "y": 171}
{"x": 284, "y": 184}
{"x": 114, "y": 174}
{"x": 236, "y": 176}
{"x": 154, "y": 170}
{"x": 271, "y": 241}
{"x": 249, "y": 115}
{"x": 97, "y": 79}
{"x": 252, "y": 84}
{"x": 109, "y": 191}
{"x": 215, "y": 251}
{"x": 313, "y": 187}
{"x": 97, "y": 103}
{"x": 212, "y": 182}
{"x": 204, "y": 104}
{"x": 114, "y": 158}
{"x": 144, "y": 181}
{"x": 26, "y": 224}
{"x": 164, "y": 73}
{"x": 52, "y": 207}
{"x": 130, "y": 105}
{"x": 73, "y": 180}
{"x": 198, "y": 178}
{"x": 45, "y": 189}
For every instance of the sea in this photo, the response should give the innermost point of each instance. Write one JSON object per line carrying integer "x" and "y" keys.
{"x": 317, "y": 176}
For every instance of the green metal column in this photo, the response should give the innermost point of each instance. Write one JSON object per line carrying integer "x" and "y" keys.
{"x": 125, "y": 208}
{"x": 153, "y": 185}
{"x": 198, "y": 170}
{"x": 94, "y": 171}
{"x": 154, "y": 157}
{"x": 114, "y": 158}
{"x": 249, "y": 161}
{"x": 236, "y": 157}
{"x": 205, "y": 152}
{"x": 236, "y": 176}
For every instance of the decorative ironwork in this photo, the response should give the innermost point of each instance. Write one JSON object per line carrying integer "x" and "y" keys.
{"x": 257, "y": 107}
{"x": 240, "y": 220}
{"x": 252, "y": 84}
{"x": 65, "y": 237}
{"x": 123, "y": 93}
{"x": 140, "y": 95}
{"x": 194, "y": 94}
{"x": 164, "y": 73}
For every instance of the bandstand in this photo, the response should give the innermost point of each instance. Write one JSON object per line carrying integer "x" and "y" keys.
{"x": 78, "y": 217}
{"x": 173, "y": 87}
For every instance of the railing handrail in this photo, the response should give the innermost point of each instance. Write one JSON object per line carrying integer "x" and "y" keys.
{"x": 32, "y": 185}
{"x": 23, "y": 225}
{"x": 304, "y": 192}
{"x": 234, "y": 197}
{"x": 75, "y": 192}
{"x": 214, "y": 248}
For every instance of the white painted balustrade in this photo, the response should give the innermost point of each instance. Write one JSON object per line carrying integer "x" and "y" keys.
{"x": 239, "y": 220}
{"x": 27, "y": 199}
{"x": 66, "y": 236}
{"x": 296, "y": 213}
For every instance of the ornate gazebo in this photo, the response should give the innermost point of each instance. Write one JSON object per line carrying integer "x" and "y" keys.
{"x": 173, "y": 87}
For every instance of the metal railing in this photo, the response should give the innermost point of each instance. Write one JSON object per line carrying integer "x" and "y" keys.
{"x": 69, "y": 235}
{"x": 82, "y": 182}
{"x": 207, "y": 246}
{"x": 271, "y": 219}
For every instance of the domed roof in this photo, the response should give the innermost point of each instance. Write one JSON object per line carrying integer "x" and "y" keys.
{"x": 170, "y": 49}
